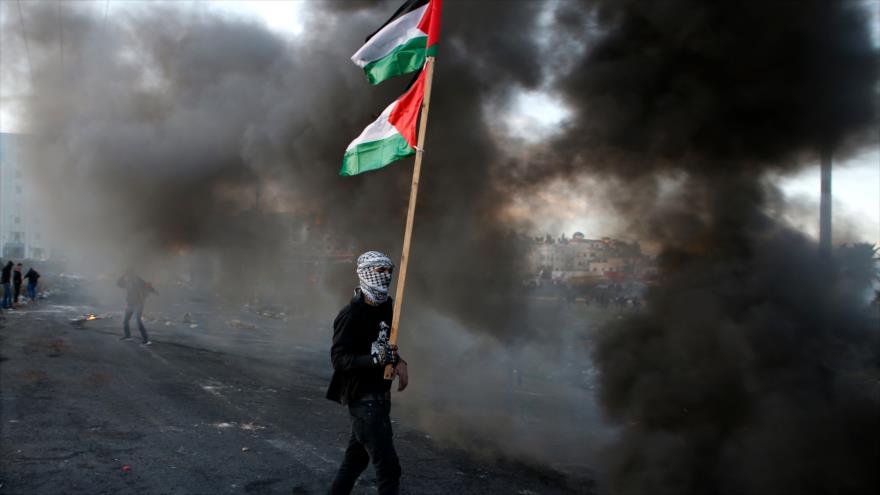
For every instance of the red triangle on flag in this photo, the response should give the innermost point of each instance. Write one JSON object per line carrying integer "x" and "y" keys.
{"x": 406, "y": 112}
{"x": 430, "y": 22}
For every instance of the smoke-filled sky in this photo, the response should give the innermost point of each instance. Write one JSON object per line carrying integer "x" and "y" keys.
{"x": 672, "y": 121}
{"x": 529, "y": 114}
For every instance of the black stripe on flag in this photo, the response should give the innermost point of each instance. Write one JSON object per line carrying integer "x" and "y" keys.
{"x": 406, "y": 8}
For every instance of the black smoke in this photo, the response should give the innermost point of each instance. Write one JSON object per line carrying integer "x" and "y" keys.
{"x": 749, "y": 371}
{"x": 166, "y": 125}
{"x": 160, "y": 125}
{"x": 754, "y": 367}
{"x": 746, "y": 85}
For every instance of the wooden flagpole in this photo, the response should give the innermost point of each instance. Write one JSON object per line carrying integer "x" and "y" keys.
{"x": 411, "y": 210}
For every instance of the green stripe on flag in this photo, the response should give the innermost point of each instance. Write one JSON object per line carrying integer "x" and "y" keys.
{"x": 374, "y": 155}
{"x": 406, "y": 58}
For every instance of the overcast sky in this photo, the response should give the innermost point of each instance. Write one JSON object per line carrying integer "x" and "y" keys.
{"x": 856, "y": 185}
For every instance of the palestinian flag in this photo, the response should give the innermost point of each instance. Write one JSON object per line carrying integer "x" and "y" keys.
{"x": 402, "y": 43}
{"x": 391, "y": 137}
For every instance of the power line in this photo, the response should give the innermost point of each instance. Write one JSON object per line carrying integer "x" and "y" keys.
{"x": 60, "y": 34}
{"x": 27, "y": 50}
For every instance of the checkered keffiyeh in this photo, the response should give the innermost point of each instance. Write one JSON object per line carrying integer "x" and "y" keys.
{"x": 374, "y": 285}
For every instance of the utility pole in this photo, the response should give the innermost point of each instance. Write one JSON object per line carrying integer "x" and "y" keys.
{"x": 825, "y": 205}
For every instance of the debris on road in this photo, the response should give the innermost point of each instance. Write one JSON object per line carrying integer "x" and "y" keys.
{"x": 267, "y": 311}
{"x": 241, "y": 325}
{"x": 80, "y": 320}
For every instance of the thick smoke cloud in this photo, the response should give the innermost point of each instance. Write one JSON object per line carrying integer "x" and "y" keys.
{"x": 163, "y": 126}
{"x": 745, "y": 86}
{"x": 168, "y": 126}
{"x": 746, "y": 372}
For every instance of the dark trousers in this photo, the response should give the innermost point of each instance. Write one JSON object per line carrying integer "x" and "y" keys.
{"x": 370, "y": 440}
{"x": 32, "y": 291}
{"x": 138, "y": 311}
{"x": 7, "y": 295}
{"x": 16, "y": 292}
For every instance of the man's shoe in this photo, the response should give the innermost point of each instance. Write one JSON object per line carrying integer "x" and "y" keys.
{"x": 125, "y": 338}
{"x": 148, "y": 342}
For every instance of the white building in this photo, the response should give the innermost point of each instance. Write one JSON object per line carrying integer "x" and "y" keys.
{"x": 21, "y": 235}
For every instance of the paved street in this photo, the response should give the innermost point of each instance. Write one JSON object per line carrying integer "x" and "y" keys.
{"x": 216, "y": 408}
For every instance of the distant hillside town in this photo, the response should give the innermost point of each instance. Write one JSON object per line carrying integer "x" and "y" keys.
{"x": 578, "y": 260}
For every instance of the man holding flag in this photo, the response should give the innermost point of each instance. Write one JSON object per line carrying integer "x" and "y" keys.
{"x": 359, "y": 354}
{"x": 364, "y": 350}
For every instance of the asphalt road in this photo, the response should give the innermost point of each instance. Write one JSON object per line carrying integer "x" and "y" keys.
{"x": 218, "y": 408}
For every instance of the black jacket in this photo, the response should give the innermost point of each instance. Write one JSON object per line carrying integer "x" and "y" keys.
{"x": 7, "y": 273}
{"x": 354, "y": 330}
{"x": 16, "y": 277}
{"x": 32, "y": 276}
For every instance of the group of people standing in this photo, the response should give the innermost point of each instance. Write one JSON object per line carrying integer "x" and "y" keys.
{"x": 12, "y": 280}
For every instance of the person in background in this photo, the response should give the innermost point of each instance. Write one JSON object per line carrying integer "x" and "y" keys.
{"x": 136, "y": 292}
{"x": 17, "y": 279}
{"x": 5, "y": 279}
{"x": 2, "y": 313}
{"x": 32, "y": 277}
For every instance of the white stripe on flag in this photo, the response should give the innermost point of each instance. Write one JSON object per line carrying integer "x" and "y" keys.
{"x": 390, "y": 37}
{"x": 380, "y": 129}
